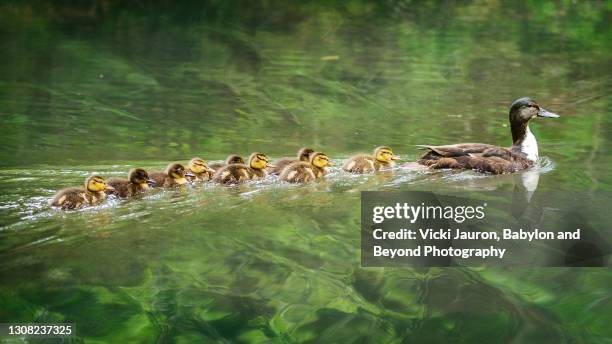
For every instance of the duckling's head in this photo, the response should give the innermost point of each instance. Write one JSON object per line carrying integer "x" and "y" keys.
{"x": 140, "y": 176}
{"x": 97, "y": 184}
{"x": 319, "y": 159}
{"x": 176, "y": 171}
{"x": 304, "y": 154}
{"x": 524, "y": 109}
{"x": 198, "y": 165}
{"x": 259, "y": 161}
{"x": 234, "y": 159}
{"x": 384, "y": 154}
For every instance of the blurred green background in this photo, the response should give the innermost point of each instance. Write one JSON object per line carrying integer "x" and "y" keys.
{"x": 102, "y": 86}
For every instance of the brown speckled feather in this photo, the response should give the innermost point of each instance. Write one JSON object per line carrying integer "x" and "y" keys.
{"x": 257, "y": 174}
{"x": 299, "y": 172}
{"x": 232, "y": 174}
{"x": 76, "y": 197}
{"x": 364, "y": 163}
{"x": 198, "y": 177}
{"x": 475, "y": 156}
{"x": 302, "y": 155}
{"x": 163, "y": 180}
{"x": 124, "y": 188}
{"x": 231, "y": 159}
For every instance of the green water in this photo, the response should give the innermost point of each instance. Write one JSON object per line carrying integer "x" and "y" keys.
{"x": 102, "y": 87}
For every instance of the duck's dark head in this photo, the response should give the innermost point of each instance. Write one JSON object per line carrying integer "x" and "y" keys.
{"x": 304, "y": 154}
{"x": 234, "y": 159}
{"x": 522, "y": 111}
{"x": 140, "y": 176}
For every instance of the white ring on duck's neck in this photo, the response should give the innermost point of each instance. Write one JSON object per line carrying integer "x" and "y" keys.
{"x": 529, "y": 145}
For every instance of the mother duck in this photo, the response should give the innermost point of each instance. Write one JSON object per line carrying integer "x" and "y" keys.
{"x": 489, "y": 158}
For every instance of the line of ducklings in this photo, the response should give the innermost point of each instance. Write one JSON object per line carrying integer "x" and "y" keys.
{"x": 308, "y": 166}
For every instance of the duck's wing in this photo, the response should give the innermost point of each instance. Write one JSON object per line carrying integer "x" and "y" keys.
{"x": 490, "y": 164}
{"x": 360, "y": 164}
{"x": 474, "y": 156}
{"x": 459, "y": 149}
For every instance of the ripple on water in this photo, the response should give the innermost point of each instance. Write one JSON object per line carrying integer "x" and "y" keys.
{"x": 33, "y": 207}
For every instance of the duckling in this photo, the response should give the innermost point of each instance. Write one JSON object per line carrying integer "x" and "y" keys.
{"x": 300, "y": 172}
{"x": 490, "y": 158}
{"x": 200, "y": 170}
{"x": 302, "y": 155}
{"x": 174, "y": 175}
{"x": 79, "y": 197}
{"x": 257, "y": 166}
{"x": 232, "y": 174}
{"x": 383, "y": 158}
{"x": 231, "y": 159}
{"x": 137, "y": 182}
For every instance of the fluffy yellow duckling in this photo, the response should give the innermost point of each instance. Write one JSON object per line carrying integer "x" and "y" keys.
{"x": 174, "y": 175}
{"x": 79, "y": 197}
{"x": 137, "y": 182}
{"x": 200, "y": 170}
{"x": 383, "y": 158}
{"x": 257, "y": 166}
{"x": 231, "y": 159}
{"x": 300, "y": 172}
{"x": 302, "y": 155}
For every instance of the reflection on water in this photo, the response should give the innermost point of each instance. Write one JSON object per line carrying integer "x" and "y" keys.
{"x": 101, "y": 87}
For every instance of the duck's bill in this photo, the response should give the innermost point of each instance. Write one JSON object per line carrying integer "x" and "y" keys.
{"x": 109, "y": 188}
{"x": 395, "y": 157}
{"x": 151, "y": 182}
{"x": 270, "y": 166}
{"x": 189, "y": 174}
{"x": 547, "y": 114}
{"x": 330, "y": 163}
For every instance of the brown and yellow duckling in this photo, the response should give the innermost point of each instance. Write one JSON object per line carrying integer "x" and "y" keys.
{"x": 138, "y": 181}
{"x": 200, "y": 170}
{"x": 79, "y": 197}
{"x": 239, "y": 173}
{"x": 231, "y": 159}
{"x": 300, "y": 171}
{"x": 173, "y": 176}
{"x": 258, "y": 163}
{"x": 383, "y": 158}
{"x": 302, "y": 155}
{"x": 232, "y": 174}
